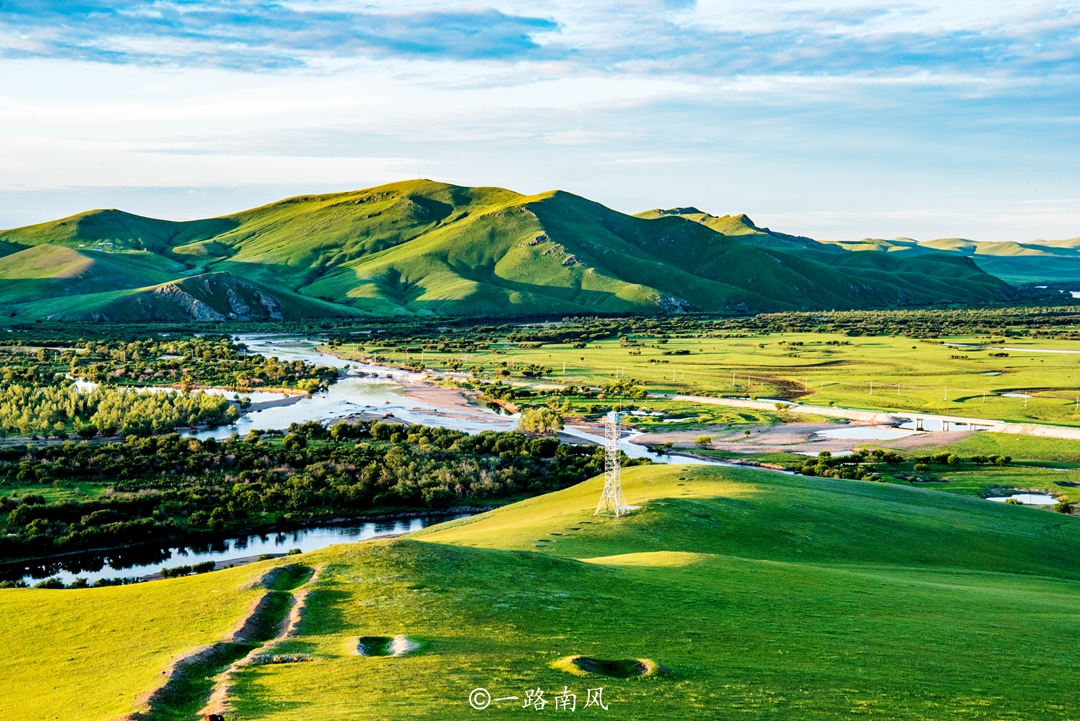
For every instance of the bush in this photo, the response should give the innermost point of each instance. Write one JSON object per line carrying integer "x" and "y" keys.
{"x": 953, "y": 459}
{"x": 50, "y": 583}
{"x": 176, "y": 572}
{"x": 703, "y": 441}
{"x": 1063, "y": 507}
{"x": 921, "y": 468}
{"x": 295, "y": 442}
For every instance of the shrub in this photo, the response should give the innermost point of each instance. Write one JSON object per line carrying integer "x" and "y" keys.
{"x": 51, "y": 583}
{"x": 295, "y": 442}
{"x": 703, "y": 441}
{"x": 953, "y": 459}
{"x": 921, "y": 468}
{"x": 1063, "y": 507}
{"x": 176, "y": 572}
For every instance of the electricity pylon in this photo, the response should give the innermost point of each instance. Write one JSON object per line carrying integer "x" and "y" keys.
{"x": 612, "y": 501}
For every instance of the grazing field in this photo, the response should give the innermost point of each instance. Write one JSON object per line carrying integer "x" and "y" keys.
{"x": 871, "y": 372}
{"x": 82, "y": 655}
{"x": 760, "y": 595}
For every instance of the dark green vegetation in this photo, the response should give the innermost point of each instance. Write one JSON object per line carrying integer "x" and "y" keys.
{"x": 39, "y": 399}
{"x": 151, "y": 360}
{"x": 421, "y": 247}
{"x": 167, "y": 488}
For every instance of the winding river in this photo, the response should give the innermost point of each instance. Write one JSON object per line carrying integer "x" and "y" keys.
{"x": 376, "y": 391}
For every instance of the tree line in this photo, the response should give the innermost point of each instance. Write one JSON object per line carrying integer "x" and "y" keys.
{"x": 169, "y": 488}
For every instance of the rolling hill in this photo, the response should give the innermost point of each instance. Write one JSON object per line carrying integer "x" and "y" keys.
{"x": 426, "y": 248}
{"x": 1038, "y": 261}
{"x": 749, "y": 594}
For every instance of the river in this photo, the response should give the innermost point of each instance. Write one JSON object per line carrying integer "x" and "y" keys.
{"x": 378, "y": 392}
{"x": 144, "y": 561}
{"x": 382, "y": 391}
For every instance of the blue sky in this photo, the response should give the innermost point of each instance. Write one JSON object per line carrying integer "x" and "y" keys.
{"x": 831, "y": 119}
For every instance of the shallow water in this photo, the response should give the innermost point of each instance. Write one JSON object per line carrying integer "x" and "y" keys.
{"x": 380, "y": 392}
{"x": 1028, "y": 499}
{"x": 147, "y": 561}
{"x": 383, "y": 393}
{"x": 930, "y": 424}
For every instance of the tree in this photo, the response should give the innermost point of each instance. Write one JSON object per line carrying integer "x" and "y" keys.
{"x": 703, "y": 441}
{"x": 540, "y": 420}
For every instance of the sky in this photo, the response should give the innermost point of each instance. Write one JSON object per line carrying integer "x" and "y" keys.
{"x": 837, "y": 120}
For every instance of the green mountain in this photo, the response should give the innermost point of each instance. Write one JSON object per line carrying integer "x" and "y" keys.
{"x": 426, "y": 248}
{"x": 1045, "y": 261}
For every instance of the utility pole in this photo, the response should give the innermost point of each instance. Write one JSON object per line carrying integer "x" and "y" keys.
{"x": 871, "y": 387}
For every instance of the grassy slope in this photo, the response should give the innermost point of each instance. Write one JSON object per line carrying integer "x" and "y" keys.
{"x": 596, "y": 258}
{"x": 219, "y": 291}
{"x": 742, "y": 227}
{"x": 424, "y": 247}
{"x": 46, "y": 271}
{"x": 86, "y": 655}
{"x": 765, "y": 594}
{"x": 115, "y": 230}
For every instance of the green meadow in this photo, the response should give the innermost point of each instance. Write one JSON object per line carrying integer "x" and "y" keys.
{"x": 750, "y": 594}
{"x": 870, "y": 372}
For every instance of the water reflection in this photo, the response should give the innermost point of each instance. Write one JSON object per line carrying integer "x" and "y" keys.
{"x": 146, "y": 561}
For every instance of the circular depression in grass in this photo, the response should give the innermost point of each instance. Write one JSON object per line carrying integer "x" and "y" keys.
{"x": 385, "y": 645}
{"x": 613, "y": 668}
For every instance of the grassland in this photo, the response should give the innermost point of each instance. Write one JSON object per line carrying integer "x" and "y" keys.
{"x": 764, "y": 595}
{"x": 78, "y": 655}
{"x": 871, "y": 372}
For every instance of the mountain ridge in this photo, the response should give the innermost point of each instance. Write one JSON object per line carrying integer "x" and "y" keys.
{"x": 433, "y": 249}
